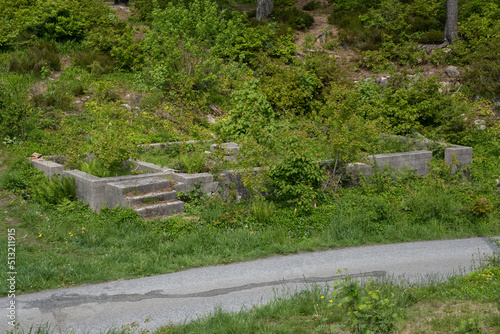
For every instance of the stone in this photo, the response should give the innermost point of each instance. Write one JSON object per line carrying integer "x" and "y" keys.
{"x": 452, "y": 71}
{"x": 36, "y": 156}
{"x": 480, "y": 124}
{"x": 126, "y": 106}
{"x": 496, "y": 101}
{"x": 211, "y": 119}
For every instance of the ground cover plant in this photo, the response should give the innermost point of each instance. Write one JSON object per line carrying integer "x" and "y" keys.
{"x": 76, "y": 80}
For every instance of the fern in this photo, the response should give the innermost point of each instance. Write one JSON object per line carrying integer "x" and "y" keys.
{"x": 55, "y": 191}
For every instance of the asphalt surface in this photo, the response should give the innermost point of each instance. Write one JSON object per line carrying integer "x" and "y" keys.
{"x": 186, "y": 295}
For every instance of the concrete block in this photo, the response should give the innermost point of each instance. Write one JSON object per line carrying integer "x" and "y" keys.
{"x": 116, "y": 192}
{"x": 160, "y": 209}
{"x": 192, "y": 179}
{"x": 415, "y": 160}
{"x": 229, "y": 148}
{"x": 151, "y": 168}
{"x": 49, "y": 168}
{"x": 158, "y": 196}
{"x": 231, "y": 183}
{"x": 463, "y": 155}
{"x": 357, "y": 169}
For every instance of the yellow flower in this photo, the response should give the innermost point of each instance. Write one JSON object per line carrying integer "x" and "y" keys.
{"x": 322, "y": 297}
{"x": 40, "y": 235}
{"x": 331, "y": 301}
{"x": 251, "y": 232}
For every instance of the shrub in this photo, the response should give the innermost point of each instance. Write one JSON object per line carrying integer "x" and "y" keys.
{"x": 94, "y": 62}
{"x": 297, "y": 178}
{"x": 366, "y": 309}
{"x": 293, "y": 17}
{"x": 311, "y": 5}
{"x": 194, "y": 162}
{"x": 431, "y": 37}
{"x": 40, "y": 59}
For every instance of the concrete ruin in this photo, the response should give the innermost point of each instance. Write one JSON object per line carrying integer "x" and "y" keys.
{"x": 153, "y": 193}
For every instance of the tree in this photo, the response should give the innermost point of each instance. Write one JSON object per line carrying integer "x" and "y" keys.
{"x": 450, "y": 29}
{"x": 264, "y": 9}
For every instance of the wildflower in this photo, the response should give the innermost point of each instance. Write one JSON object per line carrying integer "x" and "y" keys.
{"x": 40, "y": 235}
{"x": 322, "y": 297}
{"x": 331, "y": 301}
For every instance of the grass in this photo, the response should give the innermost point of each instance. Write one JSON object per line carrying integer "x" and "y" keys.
{"x": 58, "y": 239}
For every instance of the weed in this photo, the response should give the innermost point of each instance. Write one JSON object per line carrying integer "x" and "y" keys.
{"x": 262, "y": 210}
{"x": 40, "y": 59}
{"x": 194, "y": 162}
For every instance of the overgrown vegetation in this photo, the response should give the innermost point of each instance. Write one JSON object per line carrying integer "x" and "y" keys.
{"x": 78, "y": 81}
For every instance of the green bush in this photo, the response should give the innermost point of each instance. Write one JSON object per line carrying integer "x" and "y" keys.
{"x": 40, "y": 59}
{"x": 311, "y": 5}
{"x": 366, "y": 309}
{"x": 94, "y": 62}
{"x": 262, "y": 210}
{"x": 49, "y": 19}
{"x": 117, "y": 41}
{"x": 297, "y": 178}
{"x": 293, "y": 17}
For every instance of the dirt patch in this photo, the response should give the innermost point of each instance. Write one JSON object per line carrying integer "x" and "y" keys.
{"x": 122, "y": 11}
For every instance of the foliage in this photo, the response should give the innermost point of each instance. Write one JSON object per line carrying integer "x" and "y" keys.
{"x": 262, "y": 210}
{"x": 94, "y": 167}
{"x": 95, "y": 62}
{"x": 297, "y": 178}
{"x": 105, "y": 137}
{"x": 293, "y": 17}
{"x": 194, "y": 162}
{"x": 40, "y": 58}
{"x": 290, "y": 92}
{"x": 49, "y": 19}
{"x": 55, "y": 191}
{"x": 252, "y": 113}
{"x": 117, "y": 41}
{"x": 366, "y": 309}
{"x": 311, "y": 5}
{"x": 17, "y": 115}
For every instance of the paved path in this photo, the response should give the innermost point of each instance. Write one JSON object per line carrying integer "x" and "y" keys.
{"x": 173, "y": 298}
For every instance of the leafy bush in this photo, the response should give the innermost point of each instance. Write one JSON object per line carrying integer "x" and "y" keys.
{"x": 49, "y": 19}
{"x": 293, "y": 17}
{"x": 366, "y": 309}
{"x": 117, "y": 41}
{"x": 251, "y": 114}
{"x": 297, "y": 178}
{"x": 311, "y": 5}
{"x": 55, "y": 191}
{"x": 40, "y": 59}
{"x": 94, "y": 62}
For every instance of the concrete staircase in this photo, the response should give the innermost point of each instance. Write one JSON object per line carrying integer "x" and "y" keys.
{"x": 149, "y": 197}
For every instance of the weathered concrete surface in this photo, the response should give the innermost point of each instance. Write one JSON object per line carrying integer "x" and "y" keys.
{"x": 176, "y": 297}
{"x": 49, "y": 168}
{"x": 458, "y": 156}
{"x": 415, "y": 160}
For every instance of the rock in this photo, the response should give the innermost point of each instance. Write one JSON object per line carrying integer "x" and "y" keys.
{"x": 211, "y": 119}
{"x": 452, "y": 71}
{"x": 480, "y": 124}
{"x": 383, "y": 81}
{"x": 126, "y": 106}
{"x": 36, "y": 156}
{"x": 496, "y": 101}
{"x": 78, "y": 101}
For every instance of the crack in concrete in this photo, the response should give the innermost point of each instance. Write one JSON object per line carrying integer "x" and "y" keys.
{"x": 57, "y": 302}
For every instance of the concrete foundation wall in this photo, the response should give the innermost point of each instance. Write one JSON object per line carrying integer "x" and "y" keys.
{"x": 415, "y": 160}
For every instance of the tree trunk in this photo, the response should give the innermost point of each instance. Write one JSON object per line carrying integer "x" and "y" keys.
{"x": 264, "y": 9}
{"x": 450, "y": 30}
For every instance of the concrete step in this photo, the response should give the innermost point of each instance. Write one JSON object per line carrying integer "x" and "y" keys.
{"x": 139, "y": 186}
{"x": 159, "y": 209}
{"x": 152, "y": 198}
